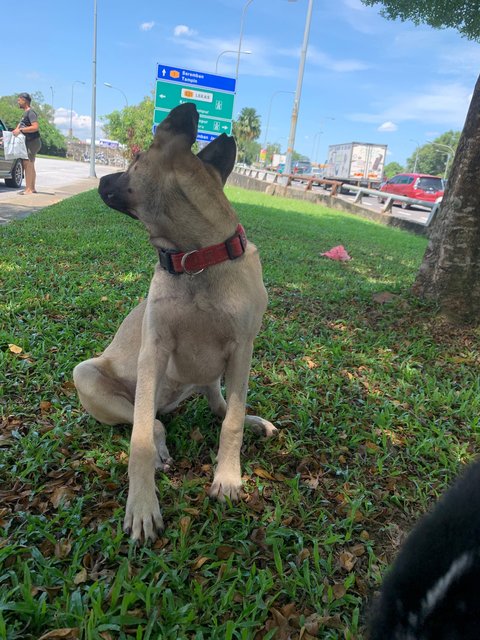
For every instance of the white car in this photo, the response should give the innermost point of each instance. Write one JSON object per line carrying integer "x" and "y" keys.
{"x": 10, "y": 170}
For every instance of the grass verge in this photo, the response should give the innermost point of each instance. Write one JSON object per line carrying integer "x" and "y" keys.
{"x": 378, "y": 404}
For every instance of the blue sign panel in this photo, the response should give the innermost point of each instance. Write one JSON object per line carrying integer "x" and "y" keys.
{"x": 206, "y": 137}
{"x": 195, "y": 78}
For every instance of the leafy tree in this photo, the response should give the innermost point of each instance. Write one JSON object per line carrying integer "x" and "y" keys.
{"x": 431, "y": 158}
{"x": 53, "y": 142}
{"x": 450, "y": 271}
{"x": 132, "y": 126}
{"x": 392, "y": 168}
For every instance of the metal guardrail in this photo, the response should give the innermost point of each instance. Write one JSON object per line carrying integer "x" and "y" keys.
{"x": 336, "y": 186}
{"x": 287, "y": 180}
{"x": 390, "y": 198}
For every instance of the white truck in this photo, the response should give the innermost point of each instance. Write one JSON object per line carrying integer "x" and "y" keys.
{"x": 360, "y": 163}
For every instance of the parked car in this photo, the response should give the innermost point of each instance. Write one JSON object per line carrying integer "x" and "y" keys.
{"x": 420, "y": 186}
{"x": 10, "y": 170}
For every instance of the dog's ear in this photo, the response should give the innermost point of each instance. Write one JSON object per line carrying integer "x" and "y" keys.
{"x": 183, "y": 120}
{"x": 221, "y": 154}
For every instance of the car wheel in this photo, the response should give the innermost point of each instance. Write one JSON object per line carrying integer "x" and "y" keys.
{"x": 17, "y": 176}
{"x": 381, "y": 200}
{"x": 405, "y": 205}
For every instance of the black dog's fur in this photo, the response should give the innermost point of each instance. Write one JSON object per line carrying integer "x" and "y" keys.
{"x": 432, "y": 592}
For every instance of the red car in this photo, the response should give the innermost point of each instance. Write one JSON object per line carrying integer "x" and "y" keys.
{"x": 414, "y": 185}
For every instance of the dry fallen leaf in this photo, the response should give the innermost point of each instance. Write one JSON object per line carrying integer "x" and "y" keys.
{"x": 45, "y": 406}
{"x": 185, "y": 524}
{"x": 347, "y": 560}
{"x": 14, "y": 348}
{"x": 224, "y": 552}
{"x": 339, "y": 590}
{"x": 61, "y": 494}
{"x": 80, "y": 577}
{"x": 196, "y": 435}
{"x": 262, "y": 473}
{"x": 199, "y": 562}
{"x": 72, "y": 633}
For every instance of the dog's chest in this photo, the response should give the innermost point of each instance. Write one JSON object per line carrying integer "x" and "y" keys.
{"x": 199, "y": 336}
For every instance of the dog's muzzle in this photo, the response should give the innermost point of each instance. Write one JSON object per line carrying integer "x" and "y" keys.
{"x": 111, "y": 189}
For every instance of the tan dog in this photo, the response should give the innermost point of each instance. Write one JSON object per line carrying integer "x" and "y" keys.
{"x": 198, "y": 324}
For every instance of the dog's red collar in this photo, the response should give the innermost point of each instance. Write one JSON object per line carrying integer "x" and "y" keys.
{"x": 194, "y": 262}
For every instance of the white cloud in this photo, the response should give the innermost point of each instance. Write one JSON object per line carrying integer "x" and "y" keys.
{"x": 147, "y": 26}
{"x": 387, "y": 126}
{"x": 183, "y": 30}
{"x": 444, "y": 104}
{"x": 81, "y": 125}
{"x": 326, "y": 61}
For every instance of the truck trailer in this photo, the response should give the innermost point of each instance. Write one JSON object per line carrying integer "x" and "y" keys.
{"x": 359, "y": 163}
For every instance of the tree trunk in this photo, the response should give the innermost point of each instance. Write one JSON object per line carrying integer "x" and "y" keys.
{"x": 450, "y": 271}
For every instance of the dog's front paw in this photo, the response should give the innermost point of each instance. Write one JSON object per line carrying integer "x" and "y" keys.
{"x": 226, "y": 485}
{"x": 143, "y": 518}
{"x": 261, "y": 427}
{"x": 163, "y": 459}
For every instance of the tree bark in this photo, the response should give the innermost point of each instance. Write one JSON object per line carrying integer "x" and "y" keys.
{"x": 450, "y": 271}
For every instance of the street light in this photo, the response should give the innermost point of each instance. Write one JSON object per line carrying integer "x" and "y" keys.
{"x": 316, "y": 137}
{"x": 239, "y": 50}
{"x": 298, "y": 91}
{"x": 70, "y": 132}
{"x": 110, "y": 86}
{"x": 229, "y": 51}
{"x": 450, "y": 154}
{"x": 268, "y": 116}
{"x": 92, "y": 173}
{"x": 416, "y": 155}
{"x": 51, "y": 89}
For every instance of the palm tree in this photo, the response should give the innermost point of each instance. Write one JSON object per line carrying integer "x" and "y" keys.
{"x": 248, "y": 126}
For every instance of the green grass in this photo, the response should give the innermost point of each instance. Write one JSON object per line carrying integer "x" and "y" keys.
{"x": 378, "y": 405}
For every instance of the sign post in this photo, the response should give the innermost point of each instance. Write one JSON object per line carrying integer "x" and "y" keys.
{"x": 212, "y": 95}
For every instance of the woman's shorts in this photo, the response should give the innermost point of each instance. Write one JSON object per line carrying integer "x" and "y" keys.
{"x": 33, "y": 147}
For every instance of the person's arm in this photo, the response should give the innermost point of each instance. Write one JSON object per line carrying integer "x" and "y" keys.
{"x": 30, "y": 129}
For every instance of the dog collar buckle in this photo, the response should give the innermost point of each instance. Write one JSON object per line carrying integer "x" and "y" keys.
{"x": 166, "y": 261}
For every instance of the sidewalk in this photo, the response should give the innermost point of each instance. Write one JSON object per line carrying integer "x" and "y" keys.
{"x": 57, "y": 179}
{"x": 22, "y": 206}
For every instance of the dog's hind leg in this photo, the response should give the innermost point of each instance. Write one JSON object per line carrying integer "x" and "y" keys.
{"x": 218, "y": 405}
{"x": 109, "y": 402}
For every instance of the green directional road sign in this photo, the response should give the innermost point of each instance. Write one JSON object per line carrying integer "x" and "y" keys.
{"x": 212, "y": 104}
{"x": 211, "y": 125}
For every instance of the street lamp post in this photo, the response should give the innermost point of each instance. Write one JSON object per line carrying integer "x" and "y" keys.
{"x": 51, "y": 89}
{"x": 316, "y": 137}
{"x": 416, "y": 155}
{"x": 110, "y": 86}
{"x": 268, "y": 116}
{"x": 229, "y": 51}
{"x": 450, "y": 154}
{"x": 239, "y": 50}
{"x": 298, "y": 91}
{"x": 92, "y": 173}
{"x": 70, "y": 131}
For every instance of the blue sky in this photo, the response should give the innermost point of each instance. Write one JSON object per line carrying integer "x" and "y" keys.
{"x": 366, "y": 79}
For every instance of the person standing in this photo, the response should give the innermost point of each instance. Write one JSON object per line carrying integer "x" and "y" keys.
{"x": 28, "y": 125}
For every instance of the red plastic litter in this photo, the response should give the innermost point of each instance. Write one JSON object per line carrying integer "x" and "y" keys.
{"x": 337, "y": 253}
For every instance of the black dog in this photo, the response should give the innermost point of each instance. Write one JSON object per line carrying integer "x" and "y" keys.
{"x": 432, "y": 591}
